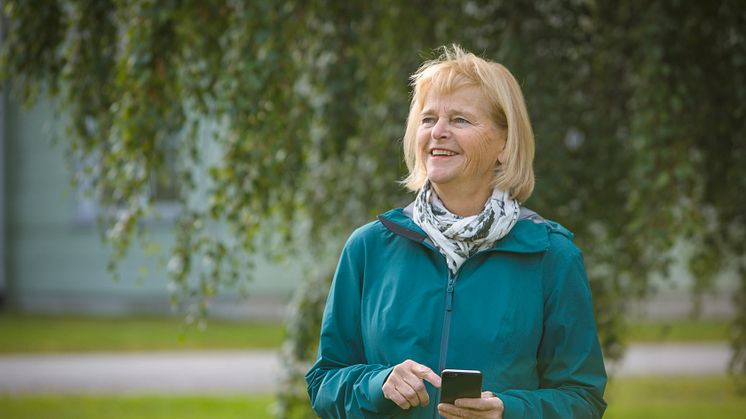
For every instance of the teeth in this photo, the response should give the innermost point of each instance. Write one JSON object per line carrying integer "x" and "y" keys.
{"x": 442, "y": 153}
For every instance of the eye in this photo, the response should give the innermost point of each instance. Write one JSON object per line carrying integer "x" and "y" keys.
{"x": 428, "y": 120}
{"x": 460, "y": 120}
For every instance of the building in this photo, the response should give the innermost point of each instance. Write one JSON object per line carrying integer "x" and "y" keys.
{"x": 52, "y": 256}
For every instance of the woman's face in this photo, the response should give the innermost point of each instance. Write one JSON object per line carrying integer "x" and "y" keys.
{"x": 458, "y": 142}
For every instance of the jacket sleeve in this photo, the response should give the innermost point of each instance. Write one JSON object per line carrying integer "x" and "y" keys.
{"x": 570, "y": 364}
{"x": 341, "y": 383}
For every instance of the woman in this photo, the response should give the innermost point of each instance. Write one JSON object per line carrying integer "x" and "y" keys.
{"x": 464, "y": 277}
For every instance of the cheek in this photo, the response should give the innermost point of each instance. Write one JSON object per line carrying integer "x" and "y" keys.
{"x": 484, "y": 151}
{"x": 422, "y": 140}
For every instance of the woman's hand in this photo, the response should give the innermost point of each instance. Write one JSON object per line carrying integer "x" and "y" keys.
{"x": 489, "y": 406}
{"x": 405, "y": 385}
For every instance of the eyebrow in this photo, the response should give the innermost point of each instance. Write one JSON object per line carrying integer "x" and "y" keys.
{"x": 466, "y": 113}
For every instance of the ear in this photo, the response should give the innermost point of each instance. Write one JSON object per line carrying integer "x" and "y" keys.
{"x": 502, "y": 157}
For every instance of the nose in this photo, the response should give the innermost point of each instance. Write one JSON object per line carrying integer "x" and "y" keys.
{"x": 440, "y": 129}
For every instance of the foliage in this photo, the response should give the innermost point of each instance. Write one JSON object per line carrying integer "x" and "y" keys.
{"x": 638, "y": 108}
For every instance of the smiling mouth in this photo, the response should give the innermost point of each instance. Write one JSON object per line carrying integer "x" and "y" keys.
{"x": 438, "y": 152}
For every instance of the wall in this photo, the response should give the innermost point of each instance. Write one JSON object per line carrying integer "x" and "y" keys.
{"x": 56, "y": 260}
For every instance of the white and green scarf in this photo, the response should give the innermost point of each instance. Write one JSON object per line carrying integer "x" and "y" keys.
{"x": 457, "y": 237}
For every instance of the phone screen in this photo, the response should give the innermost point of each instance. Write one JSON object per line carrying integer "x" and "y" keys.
{"x": 459, "y": 384}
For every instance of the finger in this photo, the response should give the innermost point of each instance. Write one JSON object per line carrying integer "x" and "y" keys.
{"x": 409, "y": 393}
{"x": 419, "y": 387}
{"x": 450, "y": 411}
{"x": 390, "y": 392}
{"x": 413, "y": 388}
{"x": 427, "y": 374}
{"x": 488, "y": 395}
{"x": 475, "y": 404}
{"x": 400, "y": 401}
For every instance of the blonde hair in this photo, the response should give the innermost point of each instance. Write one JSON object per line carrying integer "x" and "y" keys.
{"x": 455, "y": 69}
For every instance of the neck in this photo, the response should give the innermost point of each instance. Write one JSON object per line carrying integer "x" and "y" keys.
{"x": 463, "y": 201}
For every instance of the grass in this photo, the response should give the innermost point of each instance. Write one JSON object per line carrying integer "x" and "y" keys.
{"x": 44, "y": 334}
{"x": 678, "y": 331}
{"x": 674, "y": 397}
{"x": 629, "y": 398}
{"x": 135, "y": 407}
{"x": 638, "y": 397}
{"x": 47, "y": 334}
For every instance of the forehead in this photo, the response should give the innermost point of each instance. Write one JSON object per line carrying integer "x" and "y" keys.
{"x": 468, "y": 99}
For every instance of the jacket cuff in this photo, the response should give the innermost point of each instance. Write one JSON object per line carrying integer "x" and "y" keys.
{"x": 375, "y": 391}
{"x": 514, "y": 408}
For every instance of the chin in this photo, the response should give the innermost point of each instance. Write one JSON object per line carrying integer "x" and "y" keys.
{"x": 439, "y": 181}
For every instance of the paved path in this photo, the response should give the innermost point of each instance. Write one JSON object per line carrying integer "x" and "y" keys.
{"x": 258, "y": 371}
{"x": 673, "y": 359}
{"x": 149, "y": 372}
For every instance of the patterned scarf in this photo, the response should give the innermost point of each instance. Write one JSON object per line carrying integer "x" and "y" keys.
{"x": 457, "y": 238}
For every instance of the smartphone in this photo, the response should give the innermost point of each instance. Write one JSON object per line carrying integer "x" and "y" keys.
{"x": 459, "y": 384}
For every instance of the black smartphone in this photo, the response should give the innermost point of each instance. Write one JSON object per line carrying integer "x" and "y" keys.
{"x": 460, "y": 384}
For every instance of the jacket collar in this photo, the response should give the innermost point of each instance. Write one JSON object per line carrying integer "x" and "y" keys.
{"x": 529, "y": 235}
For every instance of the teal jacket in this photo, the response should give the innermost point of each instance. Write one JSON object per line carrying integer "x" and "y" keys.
{"x": 520, "y": 312}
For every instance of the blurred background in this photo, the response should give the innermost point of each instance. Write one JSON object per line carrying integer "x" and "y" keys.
{"x": 179, "y": 176}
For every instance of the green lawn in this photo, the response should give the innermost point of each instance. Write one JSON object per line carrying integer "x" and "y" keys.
{"x": 674, "y": 397}
{"x": 36, "y": 333}
{"x": 649, "y": 397}
{"x": 135, "y": 407}
{"x": 629, "y": 398}
{"x": 678, "y": 331}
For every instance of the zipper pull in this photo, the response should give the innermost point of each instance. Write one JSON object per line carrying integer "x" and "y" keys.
{"x": 449, "y": 294}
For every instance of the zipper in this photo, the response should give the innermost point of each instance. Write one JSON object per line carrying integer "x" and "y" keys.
{"x": 446, "y": 328}
{"x": 446, "y": 321}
